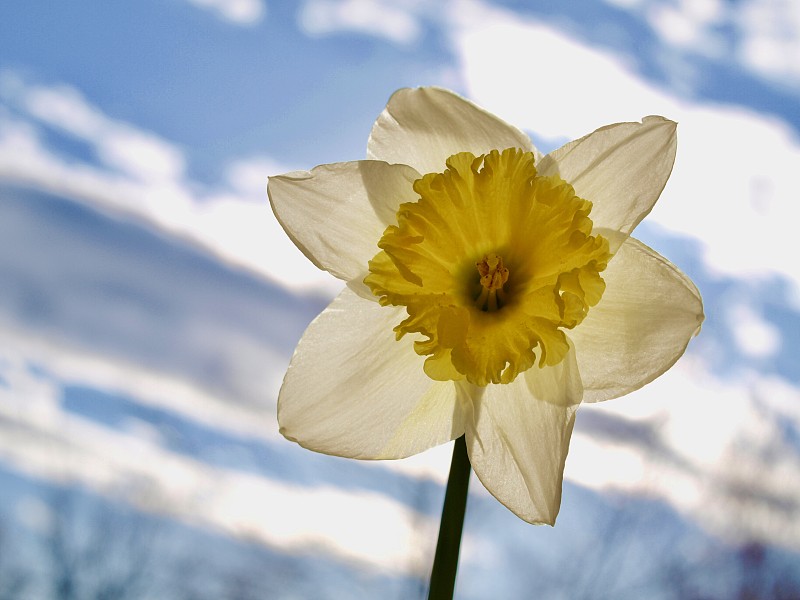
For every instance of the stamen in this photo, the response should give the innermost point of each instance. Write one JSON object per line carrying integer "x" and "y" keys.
{"x": 493, "y": 276}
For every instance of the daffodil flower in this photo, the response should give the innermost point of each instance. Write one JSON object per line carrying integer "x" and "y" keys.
{"x": 490, "y": 290}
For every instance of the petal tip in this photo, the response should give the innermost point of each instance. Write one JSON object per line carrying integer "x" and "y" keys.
{"x": 668, "y": 126}
{"x": 658, "y": 120}
{"x": 284, "y": 432}
{"x": 701, "y": 317}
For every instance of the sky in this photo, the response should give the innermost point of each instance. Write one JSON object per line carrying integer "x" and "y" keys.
{"x": 150, "y": 302}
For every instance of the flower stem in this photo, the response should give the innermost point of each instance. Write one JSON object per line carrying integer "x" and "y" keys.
{"x": 445, "y": 562}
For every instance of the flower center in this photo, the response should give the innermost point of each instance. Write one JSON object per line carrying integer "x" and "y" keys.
{"x": 493, "y": 276}
{"x": 538, "y": 267}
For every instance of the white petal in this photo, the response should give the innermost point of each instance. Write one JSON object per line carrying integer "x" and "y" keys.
{"x": 621, "y": 169}
{"x": 352, "y": 390}
{"x": 422, "y": 127}
{"x": 648, "y": 314}
{"x": 518, "y": 437}
{"x": 336, "y": 213}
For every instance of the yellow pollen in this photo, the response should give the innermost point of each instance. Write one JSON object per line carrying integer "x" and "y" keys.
{"x": 493, "y": 276}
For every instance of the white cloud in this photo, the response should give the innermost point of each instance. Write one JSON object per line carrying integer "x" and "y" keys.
{"x": 239, "y": 12}
{"x": 754, "y": 336}
{"x": 717, "y": 456}
{"x": 143, "y": 175}
{"x": 763, "y": 36}
{"x": 626, "y": 4}
{"x": 248, "y": 177}
{"x": 770, "y": 44}
{"x": 734, "y": 186}
{"x": 43, "y": 440}
{"x": 140, "y": 154}
{"x": 322, "y": 519}
{"x": 71, "y": 363}
{"x": 394, "y": 21}
{"x": 689, "y": 24}
{"x": 60, "y": 106}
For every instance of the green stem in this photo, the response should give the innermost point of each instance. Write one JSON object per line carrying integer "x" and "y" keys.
{"x": 445, "y": 562}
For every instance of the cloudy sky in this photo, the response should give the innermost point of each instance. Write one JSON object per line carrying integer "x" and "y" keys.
{"x": 149, "y": 301}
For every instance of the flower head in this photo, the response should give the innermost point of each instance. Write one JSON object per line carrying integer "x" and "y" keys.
{"x": 489, "y": 291}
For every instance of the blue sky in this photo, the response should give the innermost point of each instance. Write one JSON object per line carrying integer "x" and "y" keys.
{"x": 150, "y": 301}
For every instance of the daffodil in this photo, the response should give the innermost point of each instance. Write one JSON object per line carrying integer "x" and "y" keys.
{"x": 490, "y": 290}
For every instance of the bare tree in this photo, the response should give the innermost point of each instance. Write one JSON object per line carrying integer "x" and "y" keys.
{"x": 93, "y": 552}
{"x": 14, "y": 581}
